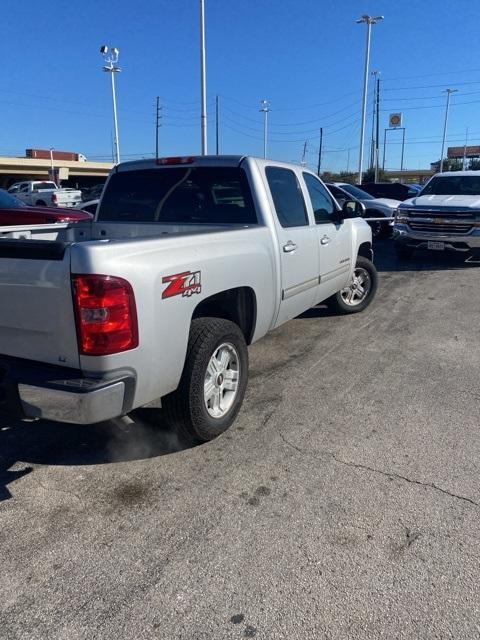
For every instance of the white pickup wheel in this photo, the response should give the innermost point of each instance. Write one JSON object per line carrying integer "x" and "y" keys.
{"x": 213, "y": 382}
{"x": 359, "y": 292}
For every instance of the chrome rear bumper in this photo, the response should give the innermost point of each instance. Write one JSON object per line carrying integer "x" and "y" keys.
{"x": 34, "y": 391}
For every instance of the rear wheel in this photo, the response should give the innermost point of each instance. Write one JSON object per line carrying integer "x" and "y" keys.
{"x": 41, "y": 203}
{"x": 360, "y": 291}
{"x": 213, "y": 382}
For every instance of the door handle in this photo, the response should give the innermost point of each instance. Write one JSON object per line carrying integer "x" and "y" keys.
{"x": 289, "y": 247}
{"x": 325, "y": 240}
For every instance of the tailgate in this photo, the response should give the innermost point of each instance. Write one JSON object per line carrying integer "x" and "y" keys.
{"x": 68, "y": 197}
{"x": 36, "y": 309}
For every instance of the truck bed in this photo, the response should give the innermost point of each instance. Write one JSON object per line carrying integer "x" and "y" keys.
{"x": 37, "y": 318}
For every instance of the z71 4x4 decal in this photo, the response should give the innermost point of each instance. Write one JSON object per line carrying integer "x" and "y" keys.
{"x": 185, "y": 284}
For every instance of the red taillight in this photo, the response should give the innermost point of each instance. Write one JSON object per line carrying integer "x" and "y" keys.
{"x": 54, "y": 198}
{"x": 106, "y": 314}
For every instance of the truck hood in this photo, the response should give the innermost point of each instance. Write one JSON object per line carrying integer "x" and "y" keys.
{"x": 464, "y": 202}
{"x": 387, "y": 203}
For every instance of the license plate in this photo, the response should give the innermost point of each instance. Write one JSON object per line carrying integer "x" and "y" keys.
{"x": 436, "y": 246}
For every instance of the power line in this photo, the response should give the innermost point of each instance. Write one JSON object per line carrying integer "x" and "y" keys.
{"x": 438, "y": 73}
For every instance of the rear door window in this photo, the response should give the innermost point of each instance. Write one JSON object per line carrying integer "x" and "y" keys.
{"x": 287, "y": 197}
{"x": 183, "y": 195}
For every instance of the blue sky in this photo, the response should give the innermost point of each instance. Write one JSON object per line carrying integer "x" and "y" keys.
{"x": 305, "y": 56}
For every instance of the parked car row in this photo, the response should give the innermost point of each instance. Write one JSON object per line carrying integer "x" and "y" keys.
{"x": 15, "y": 212}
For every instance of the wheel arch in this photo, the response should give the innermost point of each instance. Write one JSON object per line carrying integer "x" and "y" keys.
{"x": 239, "y": 305}
{"x": 365, "y": 250}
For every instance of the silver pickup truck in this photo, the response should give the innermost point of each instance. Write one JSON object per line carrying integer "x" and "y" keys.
{"x": 188, "y": 261}
{"x": 444, "y": 216}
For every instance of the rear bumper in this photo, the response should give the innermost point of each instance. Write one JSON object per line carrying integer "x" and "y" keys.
{"x": 419, "y": 240}
{"x": 30, "y": 390}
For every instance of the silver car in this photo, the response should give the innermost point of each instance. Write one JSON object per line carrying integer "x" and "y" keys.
{"x": 374, "y": 207}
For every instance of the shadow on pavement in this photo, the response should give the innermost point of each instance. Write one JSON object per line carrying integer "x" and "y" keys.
{"x": 144, "y": 435}
{"x": 386, "y": 260}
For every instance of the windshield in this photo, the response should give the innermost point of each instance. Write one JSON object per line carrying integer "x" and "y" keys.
{"x": 9, "y": 202}
{"x": 356, "y": 192}
{"x": 453, "y": 186}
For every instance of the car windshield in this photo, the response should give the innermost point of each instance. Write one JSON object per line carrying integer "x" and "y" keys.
{"x": 356, "y": 192}
{"x": 8, "y": 201}
{"x": 453, "y": 186}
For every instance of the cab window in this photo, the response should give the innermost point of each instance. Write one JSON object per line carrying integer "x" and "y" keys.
{"x": 322, "y": 203}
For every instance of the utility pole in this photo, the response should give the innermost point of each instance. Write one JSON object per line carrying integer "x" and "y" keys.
{"x": 368, "y": 20}
{"x": 447, "y": 107}
{"x": 320, "y": 151}
{"x": 52, "y": 168}
{"x": 464, "y": 163}
{"x": 203, "y": 79}
{"x": 157, "y": 125}
{"x": 217, "y": 142}
{"x": 111, "y": 67}
{"x": 265, "y": 109}
{"x": 303, "y": 162}
{"x": 348, "y": 159}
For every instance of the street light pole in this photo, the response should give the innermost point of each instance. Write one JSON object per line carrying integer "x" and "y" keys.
{"x": 203, "y": 78}
{"x": 52, "y": 168}
{"x": 368, "y": 20}
{"x": 449, "y": 93}
{"x": 111, "y": 67}
{"x": 265, "y": 109}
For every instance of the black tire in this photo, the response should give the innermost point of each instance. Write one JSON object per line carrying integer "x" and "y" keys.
{"x": 338, "y": 304}
{"x": 41, "y": 203}
{"x": 185, "y": 409}
{"x": 380, "y": 230}
{"x": 403, "y": 252}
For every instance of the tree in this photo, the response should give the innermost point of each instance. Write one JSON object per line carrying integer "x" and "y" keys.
{"x": 369, "y": 176}
{"x": 449, "y": 164}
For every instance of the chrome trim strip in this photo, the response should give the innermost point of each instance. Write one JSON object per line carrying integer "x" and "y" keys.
{"x": 435, "y": 219}
{"x": 299, "y": 288}
{"x": 330, "y": 275}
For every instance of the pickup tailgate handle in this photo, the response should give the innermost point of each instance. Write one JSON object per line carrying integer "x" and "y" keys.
{"x": 325, "y": 240}
{"x": 289, "y": 247}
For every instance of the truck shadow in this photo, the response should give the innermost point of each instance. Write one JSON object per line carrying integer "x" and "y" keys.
{"x": 23, "y": 444}
{"x": 386, "y": 260}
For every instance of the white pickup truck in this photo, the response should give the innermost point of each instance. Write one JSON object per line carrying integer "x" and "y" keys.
{"x": 44, "y": 193}
{"x": 188, "y": 261}
{"x": 444, "y": 216}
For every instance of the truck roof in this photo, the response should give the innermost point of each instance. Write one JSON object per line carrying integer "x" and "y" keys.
{"x": 198, "y": 161}
{"x": 447, "y": 174}
{"x": 147, "y": 163}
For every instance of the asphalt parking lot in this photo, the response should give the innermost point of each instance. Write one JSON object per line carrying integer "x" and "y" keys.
{"x": 344, "y": 502}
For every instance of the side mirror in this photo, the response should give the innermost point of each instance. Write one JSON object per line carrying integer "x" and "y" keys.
{"x": 353, "y": 209}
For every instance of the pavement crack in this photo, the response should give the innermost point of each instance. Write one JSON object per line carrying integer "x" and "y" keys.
{"x": 386, "y": 474}
{"x": 399, "y": 476}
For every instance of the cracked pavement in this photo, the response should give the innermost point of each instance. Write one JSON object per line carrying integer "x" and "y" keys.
{"x": 344, "y": 502}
